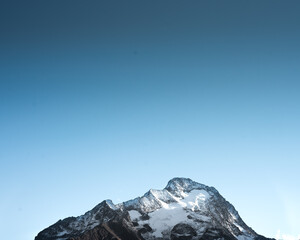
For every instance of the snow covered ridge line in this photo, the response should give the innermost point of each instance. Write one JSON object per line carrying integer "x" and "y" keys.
{"x": 183, "y": 210}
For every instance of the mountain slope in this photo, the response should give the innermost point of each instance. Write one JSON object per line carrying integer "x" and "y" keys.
{"x": 183, "y": 210}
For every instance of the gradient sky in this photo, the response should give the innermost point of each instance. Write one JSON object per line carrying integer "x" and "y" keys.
{"x": 107, "y": 99}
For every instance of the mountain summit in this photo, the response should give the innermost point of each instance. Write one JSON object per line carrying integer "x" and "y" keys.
{"x": 183, "y": 210}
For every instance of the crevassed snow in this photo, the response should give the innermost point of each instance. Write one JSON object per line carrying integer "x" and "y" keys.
{"x": 166, "y": 217}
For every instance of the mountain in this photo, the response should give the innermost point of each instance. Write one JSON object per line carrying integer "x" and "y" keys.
{"x": 183, "y": 210}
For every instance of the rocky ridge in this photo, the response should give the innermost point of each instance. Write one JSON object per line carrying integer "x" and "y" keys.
{"x": 183, "y": 210}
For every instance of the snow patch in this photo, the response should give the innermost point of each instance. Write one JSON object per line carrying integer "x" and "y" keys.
{"x": 134, "y": 214}
{"x": 166, "y": 217}
{"x": 111, "y": 204}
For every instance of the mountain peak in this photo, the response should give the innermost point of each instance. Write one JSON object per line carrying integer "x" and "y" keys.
{"x": 110, "y": 204}
{"x": 180, "y": 184}
{"x": 184, "y": 209}
{"x": 181, "y": 181}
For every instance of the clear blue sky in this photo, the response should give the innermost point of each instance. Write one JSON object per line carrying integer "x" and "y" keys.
{"x": 107, "y": 99}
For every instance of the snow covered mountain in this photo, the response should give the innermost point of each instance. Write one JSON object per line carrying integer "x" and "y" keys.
{"x": 183, "y": 210}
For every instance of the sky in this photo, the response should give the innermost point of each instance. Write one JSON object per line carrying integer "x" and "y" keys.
{"x": 107, "y": 99}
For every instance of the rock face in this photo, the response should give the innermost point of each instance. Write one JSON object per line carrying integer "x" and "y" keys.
{"x": 183, "y": 231}
{"x": 183, "y": 210}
